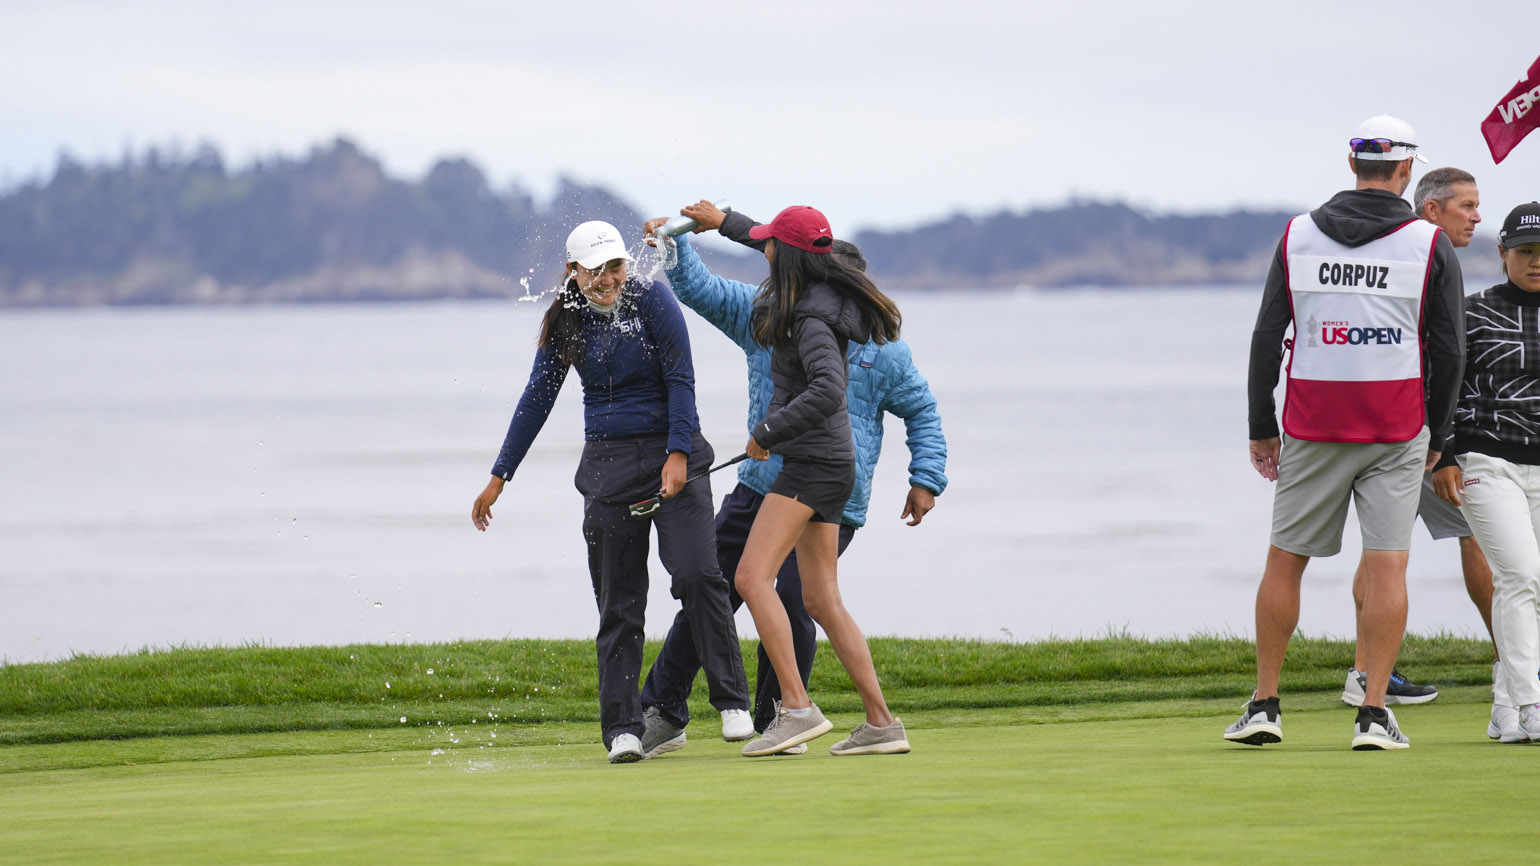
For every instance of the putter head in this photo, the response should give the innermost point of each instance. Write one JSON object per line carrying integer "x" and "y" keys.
{"x": 646, "y": 507}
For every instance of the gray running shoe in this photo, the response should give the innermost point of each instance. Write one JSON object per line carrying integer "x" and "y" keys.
{"x": 1260, "y": 724}
{"x": 658, "y": 736}
{"x": 1371, "y": 731}
{"x": 871, "y": 740}
{"x": 787, "y": 730}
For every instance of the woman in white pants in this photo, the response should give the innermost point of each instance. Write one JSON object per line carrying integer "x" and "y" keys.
{"x": 1495, "y": 477}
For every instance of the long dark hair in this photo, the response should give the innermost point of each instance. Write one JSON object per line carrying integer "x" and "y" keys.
{"x": 793, "y": 270}
{"x": 562, "y": 327}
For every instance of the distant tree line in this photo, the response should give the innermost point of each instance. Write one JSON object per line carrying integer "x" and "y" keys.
{"x": 333, "y": 225}
{"x": 177, "y": 228}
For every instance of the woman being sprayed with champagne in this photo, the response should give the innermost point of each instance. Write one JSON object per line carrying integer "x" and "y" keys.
{"x": 628, "y": 342}
{"x": 807, "y": 311}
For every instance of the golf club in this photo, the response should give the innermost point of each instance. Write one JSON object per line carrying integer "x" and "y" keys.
{"x": 646, "y": 507}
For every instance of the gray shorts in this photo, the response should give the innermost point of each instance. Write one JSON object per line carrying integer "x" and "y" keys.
{"x": 1442, "y": 519}
{"x": 1316, "y": 479}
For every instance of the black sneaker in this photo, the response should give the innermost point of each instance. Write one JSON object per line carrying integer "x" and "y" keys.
{"x": 1403, "y": 691}
{"x": 1400, "y": 690}
{"x": 1259, "y": 725}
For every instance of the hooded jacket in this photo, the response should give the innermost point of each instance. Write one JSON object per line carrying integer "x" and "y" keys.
{"x": 808, "y": 416}
{"x": 883, "y": 380}
{"x": 1353, "y": 218}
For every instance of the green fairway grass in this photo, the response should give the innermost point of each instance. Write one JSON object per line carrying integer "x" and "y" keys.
{"x": 1121, "y": 791}
{"x": 1097, "y": 752}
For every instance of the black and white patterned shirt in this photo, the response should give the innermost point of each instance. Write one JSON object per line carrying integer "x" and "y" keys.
{"x": 1499, "y": 409}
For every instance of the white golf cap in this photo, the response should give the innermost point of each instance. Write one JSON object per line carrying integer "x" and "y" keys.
{"x": 595, "y": 242}
{"x": 1379, "y": 129}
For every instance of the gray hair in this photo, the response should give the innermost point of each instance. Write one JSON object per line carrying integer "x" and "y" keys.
{"x": 1438, "y": 185}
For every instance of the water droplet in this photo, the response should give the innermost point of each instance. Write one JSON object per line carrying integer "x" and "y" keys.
{"x": 437, "y": 752}
{"x": 430, "y": 672}
{"x": 403, "y": 720}
{"x": 387, "y": 684}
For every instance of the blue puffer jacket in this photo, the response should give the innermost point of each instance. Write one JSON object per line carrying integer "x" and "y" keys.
{"x": 883, "y": 378}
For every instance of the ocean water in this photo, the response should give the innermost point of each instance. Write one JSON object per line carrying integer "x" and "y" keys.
{"x": 304, "y": 475}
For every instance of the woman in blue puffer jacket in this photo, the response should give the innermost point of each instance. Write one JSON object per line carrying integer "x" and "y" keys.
{"x": 882, "y": 379}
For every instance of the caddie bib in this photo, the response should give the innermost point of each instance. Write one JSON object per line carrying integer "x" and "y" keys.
{"x": 1355, "y": 371}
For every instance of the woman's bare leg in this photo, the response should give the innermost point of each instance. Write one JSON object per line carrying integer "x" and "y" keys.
{"x": 776, "y": 528}
{"x": 817, "y": 556}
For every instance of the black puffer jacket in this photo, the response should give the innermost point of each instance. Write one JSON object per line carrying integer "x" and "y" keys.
{"x": 807, "y": 414}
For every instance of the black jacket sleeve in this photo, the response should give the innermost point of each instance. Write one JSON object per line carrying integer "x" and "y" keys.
{"x": 828, "y": 375}
{"x": 1444, "y": 340}
{"x": 735, "y": 227}
{"x": 1273, "y": 321}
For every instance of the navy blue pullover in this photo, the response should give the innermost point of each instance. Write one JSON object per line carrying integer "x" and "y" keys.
{"x": 638, "y": 377}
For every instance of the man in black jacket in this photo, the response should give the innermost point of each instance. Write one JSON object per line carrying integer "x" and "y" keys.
{"x": 1370, "y": 290}
{"x": 1448, "y": 198}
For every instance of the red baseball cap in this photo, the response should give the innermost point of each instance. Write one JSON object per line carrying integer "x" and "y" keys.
{"x": 799, "y": 225}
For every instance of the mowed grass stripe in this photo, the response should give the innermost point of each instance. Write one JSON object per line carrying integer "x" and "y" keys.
{"x": 1124, "y": 790}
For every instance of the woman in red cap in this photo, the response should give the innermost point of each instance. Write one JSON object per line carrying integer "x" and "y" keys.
{"x": 807, "y": 311}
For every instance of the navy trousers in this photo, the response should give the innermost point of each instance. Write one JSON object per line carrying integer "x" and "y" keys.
{"x": 612, "y": 475}
{"x": 673, "y": 672}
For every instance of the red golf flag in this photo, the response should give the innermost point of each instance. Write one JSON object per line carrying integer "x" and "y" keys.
{"x": 1515, "y": 116}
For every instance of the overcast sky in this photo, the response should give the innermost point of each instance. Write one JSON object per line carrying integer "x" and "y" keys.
{"x": 883, "y": 114}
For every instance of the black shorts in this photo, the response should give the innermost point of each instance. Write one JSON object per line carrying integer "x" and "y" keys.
{"x": 822, "y": 485}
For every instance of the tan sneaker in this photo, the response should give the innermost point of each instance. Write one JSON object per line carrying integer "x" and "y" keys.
{"x": 872, "y": 740}
{"x": 787, "y": 730}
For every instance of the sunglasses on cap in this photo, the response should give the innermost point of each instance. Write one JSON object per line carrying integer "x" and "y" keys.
{"x": 1377, "y": 145}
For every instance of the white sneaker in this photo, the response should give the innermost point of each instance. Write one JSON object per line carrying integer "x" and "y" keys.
{"x": 1503, "y": 719}
{"x": 1526, "y": 728}
{"x": 625, "y": 749}
{"x": 737, "y": 725}
{"x": 1260, "y": 724}
{"x": 1369, "y": 733}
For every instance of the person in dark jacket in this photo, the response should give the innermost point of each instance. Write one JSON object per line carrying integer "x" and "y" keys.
{"x": 1448, "y": 198}
{"x": 627, "y": 340}
{"x": 1370, "y": 290}
{"x": 807, "y": 312}
{"x": 884, "y": 380}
